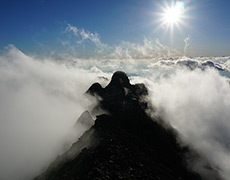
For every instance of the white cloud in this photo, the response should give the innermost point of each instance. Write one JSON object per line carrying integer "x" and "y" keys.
{"x": 197, "y": 103}
{"x": 86, "y": 36}
{"x": 40, "y": 101}
{"x": 72, "y": 29}
{"x": 148, "y": 49}
{"x": 186, "y": 45}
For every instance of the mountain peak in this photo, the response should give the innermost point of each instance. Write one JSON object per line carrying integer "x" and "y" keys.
{"x": 120, "y": 78}
{"x": 125, "y": 143}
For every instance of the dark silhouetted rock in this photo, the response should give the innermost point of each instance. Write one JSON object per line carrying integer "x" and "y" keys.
{"x": 126, "y": 144}
{"x": 95, "y": 89}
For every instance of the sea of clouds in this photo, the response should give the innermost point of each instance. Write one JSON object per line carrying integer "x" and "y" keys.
{"x": 41, "y": 99}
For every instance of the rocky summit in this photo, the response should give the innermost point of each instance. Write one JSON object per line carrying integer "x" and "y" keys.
{"x": 124, "y": 143}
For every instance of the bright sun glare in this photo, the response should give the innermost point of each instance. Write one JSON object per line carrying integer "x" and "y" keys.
{"x": 172, "y": 15}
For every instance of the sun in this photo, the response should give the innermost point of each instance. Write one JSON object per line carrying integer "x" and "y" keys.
{"x": 172, "y": 15}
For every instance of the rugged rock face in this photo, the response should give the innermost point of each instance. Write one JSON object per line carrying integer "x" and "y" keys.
{"x": 125, "y": 144}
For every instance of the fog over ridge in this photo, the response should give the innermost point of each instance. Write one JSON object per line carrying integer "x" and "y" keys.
{"x": 196, "y": 103}
{"x": 40, "y": 100}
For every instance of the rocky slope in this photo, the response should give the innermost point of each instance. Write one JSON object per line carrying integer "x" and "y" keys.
{"x": 123, "y": 144}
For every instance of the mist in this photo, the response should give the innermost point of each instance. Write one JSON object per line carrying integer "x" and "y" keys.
{"x": 196, "y": 103}
{"x": 41, "y": 100}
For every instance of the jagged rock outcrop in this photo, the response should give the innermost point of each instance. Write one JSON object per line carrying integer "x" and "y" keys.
{"x": 123, "y": 144}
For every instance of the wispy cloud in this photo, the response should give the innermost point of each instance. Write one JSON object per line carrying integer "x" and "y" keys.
{"x": 186, "y": 45}
{"x": 148, "y": 49}
{"x": 83, "y": 35}
{"x": 72, "y": 29}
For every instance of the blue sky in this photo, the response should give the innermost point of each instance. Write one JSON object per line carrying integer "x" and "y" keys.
{"x": 39, "y": 26}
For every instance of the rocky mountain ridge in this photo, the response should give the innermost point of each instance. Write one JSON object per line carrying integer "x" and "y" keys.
{"x": 125, "y": 143}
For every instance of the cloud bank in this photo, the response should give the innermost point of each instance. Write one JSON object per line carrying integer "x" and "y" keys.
{"x": 196, "y": 103}
{"x": 41, "y": 99}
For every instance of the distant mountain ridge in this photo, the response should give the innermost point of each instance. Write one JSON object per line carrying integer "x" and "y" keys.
{"x": 123, "y": 144}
